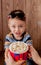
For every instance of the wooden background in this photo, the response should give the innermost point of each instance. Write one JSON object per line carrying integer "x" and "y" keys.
{"x": 32, "y": 9}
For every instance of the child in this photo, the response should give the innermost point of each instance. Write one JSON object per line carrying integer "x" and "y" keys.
{"x": 17, "y": 26}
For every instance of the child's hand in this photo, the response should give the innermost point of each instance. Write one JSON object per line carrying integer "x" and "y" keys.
{"x": 10, "y": 61}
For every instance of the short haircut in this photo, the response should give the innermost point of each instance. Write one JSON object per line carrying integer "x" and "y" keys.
{"x": 19, "y": 14}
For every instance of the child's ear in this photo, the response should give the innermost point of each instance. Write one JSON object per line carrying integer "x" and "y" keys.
{"x": 9, "y": 16}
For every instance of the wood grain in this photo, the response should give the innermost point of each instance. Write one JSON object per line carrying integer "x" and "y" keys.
{"x": 1, "y": 40}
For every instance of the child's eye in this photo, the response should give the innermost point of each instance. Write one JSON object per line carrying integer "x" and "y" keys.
{"x": 20, "y": 26}
{"x": 13, "y": 26}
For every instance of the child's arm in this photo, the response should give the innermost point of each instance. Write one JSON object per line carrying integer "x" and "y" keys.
{"x": 27, "y": 39}
{"x": 7, "y": 41}
{"x": 6, "y": 45}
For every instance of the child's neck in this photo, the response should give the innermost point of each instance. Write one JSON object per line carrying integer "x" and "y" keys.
{"x": 18, "y": 38}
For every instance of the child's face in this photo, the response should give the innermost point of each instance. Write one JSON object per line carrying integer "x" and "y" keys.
{"x": 17, "y": 26}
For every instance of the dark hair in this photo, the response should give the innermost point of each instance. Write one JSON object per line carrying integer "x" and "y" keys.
{"x": 17, "y": 14}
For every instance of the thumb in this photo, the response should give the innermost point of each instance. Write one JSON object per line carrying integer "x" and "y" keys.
{"x": 6, "y": 53}
{"x": 10, "y": 57}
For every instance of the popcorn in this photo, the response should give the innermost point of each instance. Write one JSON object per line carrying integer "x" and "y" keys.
{"x": 19, "y": 47}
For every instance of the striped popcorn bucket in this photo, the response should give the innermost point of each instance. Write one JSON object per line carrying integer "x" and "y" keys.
{"x": 18, "y": 56}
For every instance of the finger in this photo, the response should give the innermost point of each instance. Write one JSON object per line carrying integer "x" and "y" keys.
{"x": 29, "y": 55}
{"x": 32, "y": 48}
{"x": 6, "y": 53}
{"x": 20, "y": 62}
{"x": 6, "y": 60}
{"x": 28, "y": 45}
{"x": 10, "y": 57}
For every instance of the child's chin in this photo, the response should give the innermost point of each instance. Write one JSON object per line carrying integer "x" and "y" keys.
{"x": 17, "y": 35}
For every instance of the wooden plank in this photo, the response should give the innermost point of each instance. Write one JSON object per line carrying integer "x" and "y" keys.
{"x": 19, "y": 5}
{"x": 9, "y": 6}
{"x": 0, "y": 22}
{"x": 39, "y": 35}
{"x": 36, "y": 19}
{"x": 6, "y": 8}
{"x": 0, "y": 28}
{"x": 39, "y": 23}
{"x": 28, "y": 7}
{"x": 31, "y": 21}
{"x": 33, "y": 12}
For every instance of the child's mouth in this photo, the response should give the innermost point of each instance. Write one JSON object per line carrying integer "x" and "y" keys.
{"x": 17, "y": 33}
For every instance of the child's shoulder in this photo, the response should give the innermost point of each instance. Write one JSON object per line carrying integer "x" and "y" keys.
{"x": 27, "y": 34}
{"x": 27, "y": 38}
{"x": 9, "y": 35}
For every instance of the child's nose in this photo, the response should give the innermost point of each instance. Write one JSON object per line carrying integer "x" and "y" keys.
{"x": 17, "y": 29}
